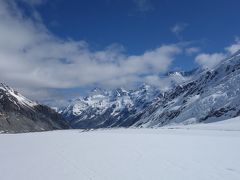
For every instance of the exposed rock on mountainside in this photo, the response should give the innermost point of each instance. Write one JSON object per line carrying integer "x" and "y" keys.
{"x": 111, "y": 108}
{"x": 19, "y": 114}
{"x": 196, "y": 96}
{"x": 108, "y": 108}
{"x": 213, "y": 95}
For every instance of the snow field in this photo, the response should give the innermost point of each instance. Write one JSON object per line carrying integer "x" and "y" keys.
{"x": 117, "y": 154}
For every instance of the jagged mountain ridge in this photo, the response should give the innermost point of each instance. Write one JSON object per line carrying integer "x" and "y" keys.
{"x": 196, "y": 96}
{"x": 19, "y": 114}
{"x": 103, "y": 108}
{"x": 212, "y": 96}
{"x": 110, "y": 108}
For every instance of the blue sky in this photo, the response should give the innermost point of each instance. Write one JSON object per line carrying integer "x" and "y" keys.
{"x": 210, "y": 25}
{"x": 57, "y": 49}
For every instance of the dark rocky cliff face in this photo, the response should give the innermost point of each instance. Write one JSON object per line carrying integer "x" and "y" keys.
{"x": 19, "y": 114}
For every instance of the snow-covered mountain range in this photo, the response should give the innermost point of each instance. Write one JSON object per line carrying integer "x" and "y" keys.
{"x": 102, "y": 108}
{"x": 19, "y": 114}
{"x": 195, "y": 96}
{"x": 212, "y": 95}
{"x": 110, "y": 108}
{"x": 190, "y": 97}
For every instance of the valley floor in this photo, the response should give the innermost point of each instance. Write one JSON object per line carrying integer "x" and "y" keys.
{"x": 204, "y": 152}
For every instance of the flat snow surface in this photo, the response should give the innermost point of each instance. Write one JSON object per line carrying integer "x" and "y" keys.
{"x": 188, "y": 153}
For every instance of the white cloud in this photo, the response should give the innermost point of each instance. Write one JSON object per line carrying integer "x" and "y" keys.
{"x": 209, "y": 60}
{"x": 192, "y": 50}
{"x": 234, "y": 47}
{"x": 163, "y": 83}
{"x": 166, "y": 82}
{"x": 178, "y": 28}
{"x": 32, "y": 58}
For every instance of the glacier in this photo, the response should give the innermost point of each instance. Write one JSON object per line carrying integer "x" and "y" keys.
{"x": 200, "y": 151}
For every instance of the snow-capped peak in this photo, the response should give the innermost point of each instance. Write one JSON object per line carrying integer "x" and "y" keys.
{"x": 15, "y": 96}
{"x": 195, "y": 96}
{"x": 116, "y": 103}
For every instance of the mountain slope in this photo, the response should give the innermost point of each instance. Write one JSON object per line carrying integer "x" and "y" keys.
{"x": 19, "y": 114}
{"x": 108, "y": 108}
{"x": 213, "y": 96}
{"x": 196, "y": 96}
{"x": 102, "y": 108}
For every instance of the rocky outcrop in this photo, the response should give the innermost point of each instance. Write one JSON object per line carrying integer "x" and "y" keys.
{"x": 19, "y": 114}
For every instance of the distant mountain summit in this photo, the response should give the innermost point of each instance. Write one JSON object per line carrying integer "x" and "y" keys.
{"x": 113, "y": 108}
{"x": 19, "y": 114}
{"x": 103, "y": 108}
{"x": 193, "y": 97}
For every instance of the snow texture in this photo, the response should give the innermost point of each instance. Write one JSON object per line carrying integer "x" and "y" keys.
{"x": 199, "y": 152}
{"x": 17, "y": 97}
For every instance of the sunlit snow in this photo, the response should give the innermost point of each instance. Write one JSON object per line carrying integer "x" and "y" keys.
{"x": 204, "y": 152}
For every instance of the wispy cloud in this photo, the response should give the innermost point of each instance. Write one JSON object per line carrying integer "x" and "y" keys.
{"x": 207, "y": 60}
{"x": 143, "y": 5}
{"x": 234, "y": 47}
{"x": 192, "y": 50}
{"x": 178, "y": 28}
